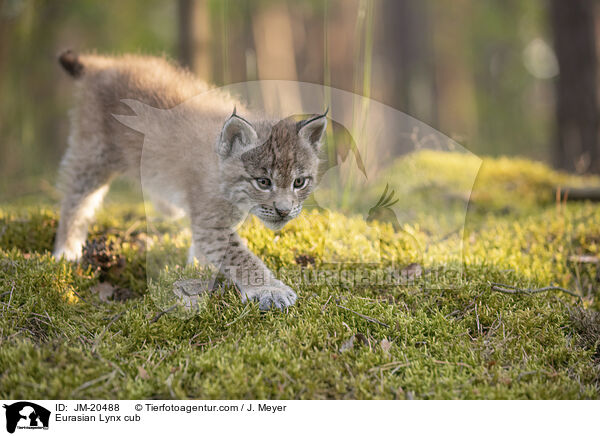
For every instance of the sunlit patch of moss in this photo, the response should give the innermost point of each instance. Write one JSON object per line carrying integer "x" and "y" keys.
{"x": 28, "y": 232}
{"x": 434, "y": 188}
{"x": 449, "y": 334}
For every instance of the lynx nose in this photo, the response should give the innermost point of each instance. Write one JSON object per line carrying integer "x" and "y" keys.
{"x": 282, "y": 212}
{"x": 283, "y": 209}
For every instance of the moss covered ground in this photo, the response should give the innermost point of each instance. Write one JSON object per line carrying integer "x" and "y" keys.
{"x": 444, "y": 332}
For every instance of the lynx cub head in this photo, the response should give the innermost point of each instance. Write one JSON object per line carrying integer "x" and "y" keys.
{"x": 270, "y": 169}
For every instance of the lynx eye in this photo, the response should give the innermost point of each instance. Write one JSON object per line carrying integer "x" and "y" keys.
{"x": 263, "y": 183}
{"x": 300, "y": 182}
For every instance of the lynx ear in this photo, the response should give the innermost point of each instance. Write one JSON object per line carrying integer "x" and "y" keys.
{"x": 312, "y": 130}
{"x": 237, "y": 134}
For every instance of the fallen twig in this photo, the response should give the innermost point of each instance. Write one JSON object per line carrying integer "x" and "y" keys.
{"x": 445, "y": 362}
{"x": 164, "y": 312}
{"x": 509, "y": 289}
{"x": 368, "y": 318}
{"x": 525, "y": 374}
{"x": 83, "y": 299}
{"x": 244, "y": 313}
{"x": 590, "y": 193}
{"x": 111, "y": 322}
{"x": 9, "y": 298}
{"x": 325, "y": 305}
{"x": 93, "y": 382}
{"x": 390, "y": 365}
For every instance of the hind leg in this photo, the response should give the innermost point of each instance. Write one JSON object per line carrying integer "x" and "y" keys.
{"x": 85, "y": 180}
{"x": 166, "y": 208}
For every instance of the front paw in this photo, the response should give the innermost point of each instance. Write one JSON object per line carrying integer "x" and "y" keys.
{"x": 277, "y": 295}
{"x": 72, "y": 255}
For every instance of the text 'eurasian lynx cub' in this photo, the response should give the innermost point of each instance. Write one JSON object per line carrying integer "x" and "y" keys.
{"x": 265, "y": 167}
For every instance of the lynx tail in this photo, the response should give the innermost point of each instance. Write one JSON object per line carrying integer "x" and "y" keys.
{"x": 71, "y": 63}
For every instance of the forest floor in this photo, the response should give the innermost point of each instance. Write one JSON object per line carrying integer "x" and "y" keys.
{"x": 469, "y": 328}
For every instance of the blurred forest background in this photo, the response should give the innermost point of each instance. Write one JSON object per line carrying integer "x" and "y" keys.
{"x": 510, "y": 77}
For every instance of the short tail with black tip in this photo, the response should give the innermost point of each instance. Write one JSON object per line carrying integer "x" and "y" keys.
{"x": 71, "y": 63}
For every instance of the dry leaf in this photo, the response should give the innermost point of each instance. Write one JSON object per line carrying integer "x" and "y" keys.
{"x": 584, "y": 258}
{"x": 348, "y": 345}
{"x": 385, "y": 345}
{"x": 143, "y": 373}
{"x": 347, "y": 326}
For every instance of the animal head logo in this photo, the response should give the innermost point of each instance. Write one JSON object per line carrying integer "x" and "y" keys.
{"x": 26, "y": 415}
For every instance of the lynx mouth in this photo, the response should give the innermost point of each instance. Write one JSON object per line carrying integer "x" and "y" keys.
{"x": 271, "y": 219}
{"x": 275, "y": 225}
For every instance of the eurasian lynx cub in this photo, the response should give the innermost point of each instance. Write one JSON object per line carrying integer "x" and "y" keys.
{"x": 264, "y": 167}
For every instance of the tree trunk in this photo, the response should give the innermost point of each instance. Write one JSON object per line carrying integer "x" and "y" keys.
{"x": 576, "y": 89}
{"x": 406, "y": 34}
{"x": 194, "y": 37}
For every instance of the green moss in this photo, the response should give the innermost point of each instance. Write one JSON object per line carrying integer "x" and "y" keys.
{"x": 451, "y": 336}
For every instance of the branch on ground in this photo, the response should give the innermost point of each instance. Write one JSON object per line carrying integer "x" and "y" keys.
{"x": 509, "y": 289}
{"x": 565, "y": 193}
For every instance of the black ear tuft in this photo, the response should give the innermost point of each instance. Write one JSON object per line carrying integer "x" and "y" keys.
{"x": 313, "y": 129}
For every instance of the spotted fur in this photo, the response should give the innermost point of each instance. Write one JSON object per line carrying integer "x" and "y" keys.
{"x": 216, "y": 188}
